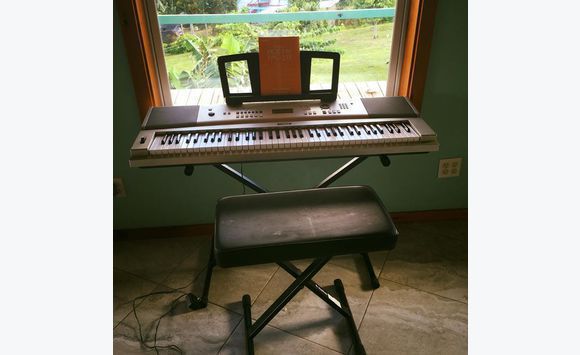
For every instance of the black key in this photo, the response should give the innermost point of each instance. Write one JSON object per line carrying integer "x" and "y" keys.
{"x": 327, "y": 131}
{"x": 317, "y": 133}
{"x": 277, "y": 134}
{"x": 237, "y": 136}
{"x": 334, "y": 131}
{"x": 356, "y": 130}
{"x": 254, "y": 135}
{"x": 350, "y": 131}
{"x": 206, "y": 137}
{"x": 373, "y": 129}
{"x": 247, "y": 136}
{"x": 164, "y": 139}
{"x": 188, "y": 139}
{"x": 294, "y": 134}
{"x": 178, "y": 138}
{"x": 389, "y": 128}
{"x": 310, "y": 133}
{"x": 396, "y": 128}
{"x": 340, "y": 131}
{"x": 270, "y": 135}
{"x": 261, "y": 135}
{"x": 212, "y": 137}
{"x": 170, "y": 140}
{"x": 219, "y": 137}
{"x": 378, "y": 128}
{"x": 407, "y": 128}
{"x": 287, "y": 134}
{"x": 366, "y": 128}
{"x": 300, "y": 134}
{"x": 230, "y": 135}
{"x": 195, "y": 138}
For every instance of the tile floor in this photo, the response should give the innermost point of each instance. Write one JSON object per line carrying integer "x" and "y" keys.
{"x": 420, "y": 308}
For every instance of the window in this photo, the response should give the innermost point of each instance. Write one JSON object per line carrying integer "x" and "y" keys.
{"x": 178, "y": 44}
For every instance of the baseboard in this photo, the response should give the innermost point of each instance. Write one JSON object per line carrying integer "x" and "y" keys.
{"x": 432, "y": 215}
{"x": 207, "y": 229}
{"x": 164, "y": 232}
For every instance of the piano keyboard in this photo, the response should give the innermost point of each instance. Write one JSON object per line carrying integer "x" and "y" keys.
{"x": 292, "y": 140}
{"x": 190, "y": 135}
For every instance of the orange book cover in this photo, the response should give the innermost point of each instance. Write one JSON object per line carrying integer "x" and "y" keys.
{"x": 279, "y": 59}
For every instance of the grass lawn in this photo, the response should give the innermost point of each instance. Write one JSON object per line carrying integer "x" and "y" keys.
{"x": 363, "y": 59}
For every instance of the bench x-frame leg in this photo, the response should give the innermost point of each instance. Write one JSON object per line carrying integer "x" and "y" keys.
{"x": 302, "y": 279}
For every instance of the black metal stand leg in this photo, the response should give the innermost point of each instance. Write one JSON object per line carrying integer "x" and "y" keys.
{"x": 240, "y": 177}
{"x": 341, "y": 171}
{"x": 374, "y": 281}
{"x": 314, "y": 287}
{"x": 196, "y": 302}
{"x": 357, "y": 343}
{"x": 302, "y": 279}
{"x": 247, "y": 306}
{"x": 287, "y": 295}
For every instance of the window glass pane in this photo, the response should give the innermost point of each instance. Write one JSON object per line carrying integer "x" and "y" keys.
{"x": 238, "y": 77}
{"x": 191, "y": 45}
{"x": 321, "y": 74}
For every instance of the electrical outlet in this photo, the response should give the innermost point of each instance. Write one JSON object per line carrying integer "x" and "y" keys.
{"x": 449, "y": 167}
{"x": 118, "y": 188}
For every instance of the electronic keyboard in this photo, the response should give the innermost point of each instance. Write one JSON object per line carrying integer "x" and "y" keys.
{"x": 215, "y": 134}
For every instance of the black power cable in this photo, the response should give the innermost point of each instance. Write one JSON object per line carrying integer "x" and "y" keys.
{"x": 158, "y": 320}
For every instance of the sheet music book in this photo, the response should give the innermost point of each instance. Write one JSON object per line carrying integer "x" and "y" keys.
{"x": 279, "y": 59}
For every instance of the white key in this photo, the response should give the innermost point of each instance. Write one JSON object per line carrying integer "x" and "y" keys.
{"x": 220, "y": 142}
{"x": 154, "y": 149}
{"x": 287, "y": 138}
{"x": 282, "y": 140}
{"x": 310, "y": 137}
{"x": 252, "y": 141}
{"x": 238, "y": 142}
{"x": 267, "y": 143}
{"x": 205, "y": 145}
{"x": 262, "y": 137}
{"x": 355, "y": 138}
{"x": 166, "y": 148}
{"x": 191, "y": 147}
{"x": 336, "y": 137}
{"x": 182, "y": 149}
{"x": 340, "y": 137}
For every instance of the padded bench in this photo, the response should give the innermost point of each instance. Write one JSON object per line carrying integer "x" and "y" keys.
{"x": 283, "y": 226}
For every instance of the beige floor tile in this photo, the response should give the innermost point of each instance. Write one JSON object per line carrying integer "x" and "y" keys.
{"x": 126, "y": 287}
{"x": 192, "y": 268}
{"x": 195, "y": 332}
{"x": 229, "y": 285}
{"x": 272, "y": 341}
{"x": 355, "y": 262}
{"x": 431, "y": 259}
{"x": 403, "y": 320}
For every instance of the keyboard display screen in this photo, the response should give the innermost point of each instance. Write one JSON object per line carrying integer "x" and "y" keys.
{"x": 282, "y": 110}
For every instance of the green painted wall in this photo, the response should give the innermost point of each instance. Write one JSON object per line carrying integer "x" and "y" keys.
{"x": 164, "y": 197}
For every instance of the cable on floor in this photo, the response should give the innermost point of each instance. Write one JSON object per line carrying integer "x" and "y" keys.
{"x": 158, "y": 320}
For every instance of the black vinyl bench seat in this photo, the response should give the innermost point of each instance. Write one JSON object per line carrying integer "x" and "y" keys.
{"x": 290, "y": 225}
{"x": 283, "y": 226}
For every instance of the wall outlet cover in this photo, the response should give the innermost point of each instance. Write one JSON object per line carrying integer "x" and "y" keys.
{"x": 449, "y": 167}
{"x": 119, "y": 187}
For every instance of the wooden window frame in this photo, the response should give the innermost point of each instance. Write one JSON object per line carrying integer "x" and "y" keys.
{"x": 134, "y": 15}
